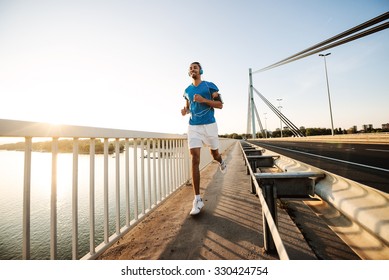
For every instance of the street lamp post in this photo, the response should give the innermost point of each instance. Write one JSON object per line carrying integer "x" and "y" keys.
{"x": 328, "y": 90}
{"x": 265, "y": 125}
{"x": 279, "y": 108}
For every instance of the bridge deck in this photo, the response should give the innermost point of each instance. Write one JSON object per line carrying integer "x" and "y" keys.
{"x": 229, "y": 226}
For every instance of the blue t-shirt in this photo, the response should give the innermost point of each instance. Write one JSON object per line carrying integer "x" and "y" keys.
{"x": 200, "y": 113}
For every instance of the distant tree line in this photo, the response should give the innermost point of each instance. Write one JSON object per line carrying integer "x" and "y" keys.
{"x": 305, "y": 131}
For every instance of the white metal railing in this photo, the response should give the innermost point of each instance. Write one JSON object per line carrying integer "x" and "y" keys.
{"x": 148, "y": 180}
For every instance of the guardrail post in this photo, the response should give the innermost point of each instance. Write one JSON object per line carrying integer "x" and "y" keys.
{"x": 285, "y": 184}
{"x": 253, "y": 190}
{"x": 270, "y": 198}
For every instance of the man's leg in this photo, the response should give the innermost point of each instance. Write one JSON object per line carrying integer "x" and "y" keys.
{"x": 195, "y": 153}
{"x": 197, "y": 202}
{"x": 216, "y": 156}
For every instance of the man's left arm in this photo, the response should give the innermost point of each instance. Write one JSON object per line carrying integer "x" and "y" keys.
{"x": 216, "y": 101}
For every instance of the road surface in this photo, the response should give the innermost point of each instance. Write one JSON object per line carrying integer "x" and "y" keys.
{"x": 367, "y": 164}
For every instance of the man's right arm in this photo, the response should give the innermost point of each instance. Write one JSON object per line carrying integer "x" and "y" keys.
{"x": 185, "y": 110}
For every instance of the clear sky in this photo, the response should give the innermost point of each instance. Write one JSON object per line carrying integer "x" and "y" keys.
{"x": 123, "y": 64}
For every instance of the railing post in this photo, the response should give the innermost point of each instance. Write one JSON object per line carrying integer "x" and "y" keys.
{"x": 128, "y": 216}
{"x": 53, "y": 210}
{"x": 106, "y": 193}
{"x": 160, "y": 158}
{"x": 163, "y": 147}
{"x": 154, "y": 173}
{"x": 169, "y": 166}
{"x": 92, "y": 197}
{"x": 142, "y": 174}
{"x": 136, "y": 211}
{"x": 27, "y": 199}
{"x": 148, "y": 173}
{"x": 75, "y": 201}
{"x": 117, "y": 180}
{"x": 175, "y": 164}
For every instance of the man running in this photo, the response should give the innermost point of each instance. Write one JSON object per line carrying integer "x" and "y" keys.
{"x": 201, "y": 99}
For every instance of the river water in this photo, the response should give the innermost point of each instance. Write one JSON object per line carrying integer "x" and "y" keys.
{"x": 11, "y": 202}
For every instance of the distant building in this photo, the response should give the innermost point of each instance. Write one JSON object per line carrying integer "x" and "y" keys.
{"x": 352, "y": 130}
{"x": 385, "y": 126}
{"x": 367, "y": 127}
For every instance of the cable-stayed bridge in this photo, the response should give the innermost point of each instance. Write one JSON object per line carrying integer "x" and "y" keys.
{"x": 369, "y": 27}
{"x": 91, "y": 200}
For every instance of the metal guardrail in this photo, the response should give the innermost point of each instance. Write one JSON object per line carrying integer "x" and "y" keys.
{"x": 363, "y": 205}
{"x": 271, "y": 186}
{"x": 277, "y": 185}
{"x": 267, "y": 213}
{"x": 164, "y": 176}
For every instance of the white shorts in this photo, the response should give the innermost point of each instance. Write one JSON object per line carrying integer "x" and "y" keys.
{"x": 206, "y": 134}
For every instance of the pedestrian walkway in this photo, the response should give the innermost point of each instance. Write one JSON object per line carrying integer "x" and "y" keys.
{"x": 229, "y": 227}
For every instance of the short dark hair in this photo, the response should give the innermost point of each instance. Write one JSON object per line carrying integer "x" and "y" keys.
{"x": 198, "y": 63}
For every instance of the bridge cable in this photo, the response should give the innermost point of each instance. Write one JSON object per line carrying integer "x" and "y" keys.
{"x": 311, "y": 50}
{"x": 297, "y": 132}
{"x": 249, "y": 116}
{"x": 259, "y": 120}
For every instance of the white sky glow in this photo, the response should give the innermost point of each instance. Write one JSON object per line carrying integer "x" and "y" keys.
{"x": 123, "y": 64}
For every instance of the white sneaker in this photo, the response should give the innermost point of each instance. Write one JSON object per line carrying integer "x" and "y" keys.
{"x": 197, "y": 205}
{"x": 223, "y": 167}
